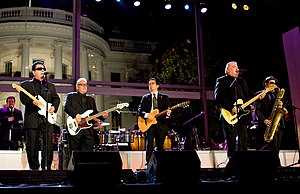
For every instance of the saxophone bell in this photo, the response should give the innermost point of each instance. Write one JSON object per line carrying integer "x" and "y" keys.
{"x": 277, "y": 112}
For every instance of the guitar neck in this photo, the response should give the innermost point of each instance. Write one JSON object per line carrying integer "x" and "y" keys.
{"x": 251, "y": 100}
{"x": 28, "y": 94}
{"x": 164, "y": 112}
{"x": 100, "y": 113}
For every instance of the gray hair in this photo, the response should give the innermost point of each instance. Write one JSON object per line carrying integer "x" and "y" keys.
{"x": 81, "y": 79}
{"x": 229, "y": 63}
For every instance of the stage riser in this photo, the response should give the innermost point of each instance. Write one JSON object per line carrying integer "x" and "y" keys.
{"x": 17, "y": 160}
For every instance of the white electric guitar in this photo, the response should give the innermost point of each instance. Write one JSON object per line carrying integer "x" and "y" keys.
{"x": 74, "y": 127}
{"x": 42, "y": 105}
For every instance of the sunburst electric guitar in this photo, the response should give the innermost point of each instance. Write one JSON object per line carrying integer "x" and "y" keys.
{"x": 42, "y": 105}
{"x": 74, "y": 127}
{"x": 232, "y": 118}
{"x": 144, "y": 124}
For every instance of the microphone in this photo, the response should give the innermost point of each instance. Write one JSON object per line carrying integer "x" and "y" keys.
{"x": 241, "y": 70}
{"x": 11, "y": 108}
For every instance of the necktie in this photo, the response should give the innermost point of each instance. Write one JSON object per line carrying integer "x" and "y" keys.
{"x": 42, "y": 88}
{"x": 83, "y": 98}
{"x": 155, "y": 106}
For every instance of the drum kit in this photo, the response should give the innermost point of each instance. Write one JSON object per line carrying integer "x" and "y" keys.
{"x": 133, "y": 140}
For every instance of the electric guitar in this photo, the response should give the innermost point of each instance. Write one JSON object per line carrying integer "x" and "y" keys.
{"x": 74, "y": 128}
{"x": 52, "y": 118}
{"x": 232, "y": 118}
{"x": 144, "y": 124}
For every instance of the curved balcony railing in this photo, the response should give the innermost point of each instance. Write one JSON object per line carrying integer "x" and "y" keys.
{"x": 47, "y": 15}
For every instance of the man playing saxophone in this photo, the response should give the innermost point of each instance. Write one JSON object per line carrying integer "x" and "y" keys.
{"x": 269, "y": 109}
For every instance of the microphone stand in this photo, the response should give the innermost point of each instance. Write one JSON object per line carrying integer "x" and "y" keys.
{"x": 11, "y": 128}
{"x": 46, "y": 132}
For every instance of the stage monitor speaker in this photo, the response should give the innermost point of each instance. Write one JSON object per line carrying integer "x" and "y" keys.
{"x": 252, "y": 166}
{"x": 95, "y": 169}
{"x": 172, "y": 166}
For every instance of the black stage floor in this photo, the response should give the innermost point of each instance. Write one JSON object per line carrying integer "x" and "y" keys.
{"x": 210, "y": 181}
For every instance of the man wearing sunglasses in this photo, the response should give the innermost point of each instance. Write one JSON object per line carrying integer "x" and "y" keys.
{"x": 41, "y": 101}
{"x": 263, "y": 109}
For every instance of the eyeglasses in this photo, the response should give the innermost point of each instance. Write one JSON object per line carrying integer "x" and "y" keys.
{"x": 85, "y": 85}
{"x": 272, "y": 82}
{"x": 40, "y": 69}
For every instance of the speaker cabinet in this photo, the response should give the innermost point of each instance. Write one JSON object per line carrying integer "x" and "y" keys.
{"x": 94, "y": 169}
{"x": 174, "y": 166}
{"x": 253, "y": 166}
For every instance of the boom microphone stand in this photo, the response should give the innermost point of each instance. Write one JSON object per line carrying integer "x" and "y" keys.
{"x": 46, "y": 132}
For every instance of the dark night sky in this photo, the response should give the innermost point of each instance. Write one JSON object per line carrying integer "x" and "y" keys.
{"x": 253, "y": 39}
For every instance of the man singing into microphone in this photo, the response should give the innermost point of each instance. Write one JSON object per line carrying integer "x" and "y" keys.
{"x": 230, "y": 91}
{"x": 10, "y": 120}
{"x": 44, "y": 104}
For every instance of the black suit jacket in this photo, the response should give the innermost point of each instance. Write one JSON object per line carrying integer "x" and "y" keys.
{"x": 31, "y": 114}
{"x": 73, "y": 105}
{"x": 146, "y": 104}
{"x": 228, "y": 90}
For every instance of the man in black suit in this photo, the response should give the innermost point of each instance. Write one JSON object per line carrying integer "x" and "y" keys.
{"x": 266, "y": 111}
{"x": 76, "y": 104}
{"x": 42, "y": 102}
{"x": 11, "y": 120}
{"x": 229, "y": 89}
{"x": 156, "y": 131}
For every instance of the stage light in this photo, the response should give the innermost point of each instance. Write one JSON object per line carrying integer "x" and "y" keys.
{"x": 137, "y": 3}
{"x": 246, "y": 7}
{"x": 186, "y": 6}
{"x": 203, "y": 8}
{"x": 168, "y": 4}
{"x": 234, "y": 6}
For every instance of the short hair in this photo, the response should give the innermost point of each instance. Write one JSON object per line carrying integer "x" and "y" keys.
{"x": 36, "y": 63}
{"x": 227, "y": 65}
{"x": 10, "y": 97}
{"x": 154, "y": 79}
{"x": 81, "y": 79}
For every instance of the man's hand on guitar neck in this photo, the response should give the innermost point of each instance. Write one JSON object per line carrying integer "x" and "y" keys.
{"x": 169, "y": 111}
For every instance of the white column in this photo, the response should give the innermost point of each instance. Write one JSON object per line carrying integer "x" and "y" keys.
{"x": 58, "y": 59}
{"x": 84, "y": 63}
{"x": 99, "y": 77}
{"x": 25, "y": 68}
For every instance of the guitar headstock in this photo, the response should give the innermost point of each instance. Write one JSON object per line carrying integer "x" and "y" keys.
{"x": 271, "y": 88}
{"x": 183, "y": 104}
{"x": 16, "y": 86}
{"x": 122, "y": 105}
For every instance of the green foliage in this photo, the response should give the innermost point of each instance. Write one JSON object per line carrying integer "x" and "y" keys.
{"x": 178, "y": 65}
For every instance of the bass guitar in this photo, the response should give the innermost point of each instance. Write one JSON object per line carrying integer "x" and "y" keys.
{"x": 232, "y": 118}
{"x": 144, "y": 124}
{"x": 74, "y": 128}
{"x": 52, "y": 118}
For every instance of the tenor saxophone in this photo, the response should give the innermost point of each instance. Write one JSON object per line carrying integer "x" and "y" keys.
{"x": 277, "y": 112}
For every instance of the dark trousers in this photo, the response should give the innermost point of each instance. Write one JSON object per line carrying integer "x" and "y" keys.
{"x": 154, "y": 132}
{"x": 39, "y": 139}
